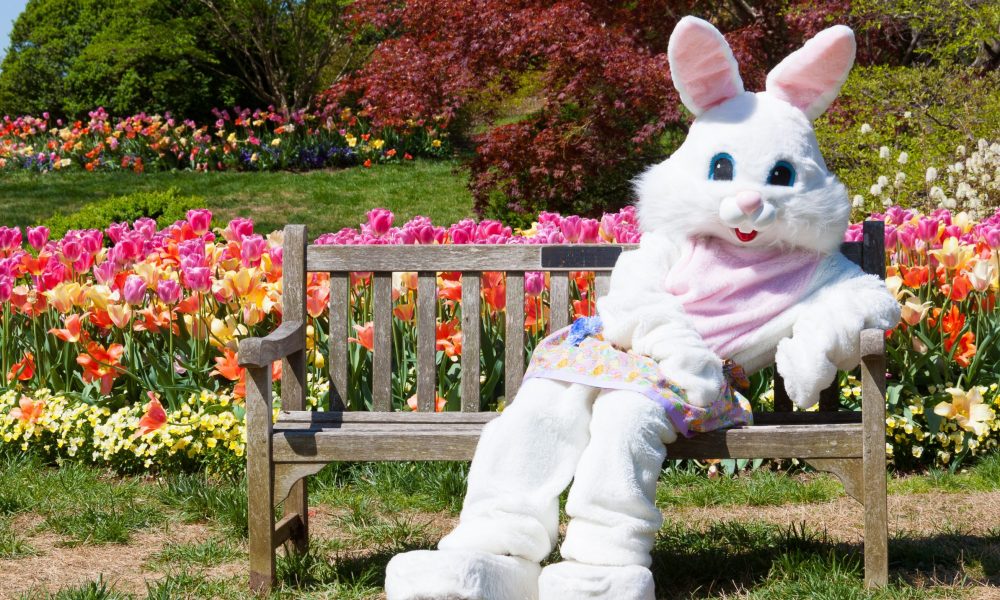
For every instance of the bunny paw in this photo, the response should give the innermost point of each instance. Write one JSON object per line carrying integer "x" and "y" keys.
{"x": 805, "y": 369}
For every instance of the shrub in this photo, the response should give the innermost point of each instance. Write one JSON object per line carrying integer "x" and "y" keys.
{"x": 165, "y": 207}
{"x": 922, "y": 117}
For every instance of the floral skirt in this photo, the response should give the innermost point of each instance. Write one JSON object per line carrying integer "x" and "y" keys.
{"x": 579, "y": 354}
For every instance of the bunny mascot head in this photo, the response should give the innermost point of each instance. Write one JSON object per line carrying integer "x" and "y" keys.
{"x": 750, "y": 170}
{"x": 738, "y": 264}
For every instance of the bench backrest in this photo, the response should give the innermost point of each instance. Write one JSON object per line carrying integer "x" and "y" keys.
{"x": 471, "y": 261}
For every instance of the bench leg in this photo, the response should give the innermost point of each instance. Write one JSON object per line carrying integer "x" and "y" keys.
{"x": 298, "y": 503}
{"x": 874, "y": 456}
{"x": 260, "y": 480}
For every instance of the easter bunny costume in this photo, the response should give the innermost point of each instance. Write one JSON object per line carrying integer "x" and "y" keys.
{"x": 738, "y": 262}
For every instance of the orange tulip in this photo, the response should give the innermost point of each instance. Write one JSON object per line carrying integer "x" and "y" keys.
{"x": 366, "y": 336}
{"x": 155, "y": 416}
{"x": 228, "y": 367}
{"x": 22, "y": 370}
{"x": 439, "y": 403}
{"x": 29, "y": 411}
{"x": 100, "y": 363}
{"x": 449, "y": 338}
{"x": 72, "y": 333}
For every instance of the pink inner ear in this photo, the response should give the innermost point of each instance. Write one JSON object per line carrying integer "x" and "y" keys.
{"x": 702, "y": 66}
{"x": 810, "y": 77}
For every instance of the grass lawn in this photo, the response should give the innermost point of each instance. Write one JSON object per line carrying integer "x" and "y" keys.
{"x": 76, "y": 532}
{"x": 325, "y": 200}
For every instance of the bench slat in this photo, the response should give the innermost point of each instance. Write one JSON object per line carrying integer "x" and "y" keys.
{"x": 382, "y": 359}
{"x": 426, "y": 340}
{"x": 465, "y": 257}
{"x": 602, "y": 283}
{"x": 340, "y": 309}
{"x": 514, "y": 342}
{"x": 396, "y": 442}
{"x": 471, "y": 295}
{"x": 558, "y": 300}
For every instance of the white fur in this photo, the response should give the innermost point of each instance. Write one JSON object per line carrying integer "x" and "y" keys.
{"x": 430, "y": 575}
{"x": 570, "y": 580}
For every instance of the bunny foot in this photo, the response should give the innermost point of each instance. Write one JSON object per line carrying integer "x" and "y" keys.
{"x": 806, "y": 371}
{"x": 571, "y": 580}
{"x": 460, "y": 575}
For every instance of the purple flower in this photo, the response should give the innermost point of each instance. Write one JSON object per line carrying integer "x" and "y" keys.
{"x": 169, "y": 291}
{"x": 534, "y": 283}
{"x": 134, "y": 289}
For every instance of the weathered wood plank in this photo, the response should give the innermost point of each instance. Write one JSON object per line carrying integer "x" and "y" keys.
{"x": 340, "y": 309}
{"x": 287, "y": 529}
{"x": 286, "y": 339}
{"x": 466, "y": 257}
{"x": 426, "y": 340}
{"x": 260, "y": 478}
{"x": 558, "y": 300}
{"x": 514, "y": 342}
{"x": 471, "y": 297}
{"x": 449, "y": 443}
{"x": 875, "y": 492}
{"x": 321, "y": 418}
{"x": 382, "y": 356}
{"x": 602, "y": 283}
{"x": 293, "y": 369}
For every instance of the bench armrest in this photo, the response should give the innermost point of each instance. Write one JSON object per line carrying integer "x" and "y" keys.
{"x": 289, "y": 337}
{"x": 872, "y": 343}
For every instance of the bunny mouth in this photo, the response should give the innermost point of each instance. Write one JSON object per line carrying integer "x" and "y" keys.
{"x": 745, "y": 237}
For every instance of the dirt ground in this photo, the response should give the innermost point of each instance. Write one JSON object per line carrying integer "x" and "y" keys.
{"x": 127, "y": 568}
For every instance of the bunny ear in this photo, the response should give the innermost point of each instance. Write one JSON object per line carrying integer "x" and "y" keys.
{"x": 702, "y": 65}
{"x": 810, "y": 78}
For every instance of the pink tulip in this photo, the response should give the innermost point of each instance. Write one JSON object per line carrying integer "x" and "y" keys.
{"x": 116, "y": 230}
{"x": 197, "y": 279}
{"x": 992, "y": 236}
{"x": 590, "y": 231}
{"x": 907, "y": 236}
{"x": 71, "y": 249}
{"x": 10, "y": 238}
{"x": 570, "y": 228}
{"x": 55, "y": 273}
{"x": 169, "y": 291}
{"x": 379, "y": 221}
{"x": 134, "y": 289}
{"x": 927, "y": 229}
{"x": 534, "y": 283}
{"x": 238, "y": 229}
{"x": 91, "y": 240}
{"x": 6, "y": 288}
{"x": 146, "y": 227}
{"x": 105, "y": 272}
{"x": 200, "y": 220}
{"x": 252, "y": 249}
{"x": 37, "y": 236}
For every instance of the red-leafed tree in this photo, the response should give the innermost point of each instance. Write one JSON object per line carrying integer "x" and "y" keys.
{"x": 597, "y": 104}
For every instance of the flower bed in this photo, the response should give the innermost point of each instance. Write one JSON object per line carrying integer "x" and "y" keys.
{"x": 118, "y": 347}
{"x": 241, "y": 140}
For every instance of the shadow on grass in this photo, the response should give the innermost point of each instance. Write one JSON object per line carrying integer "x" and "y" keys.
{"x": 768, "y": 561}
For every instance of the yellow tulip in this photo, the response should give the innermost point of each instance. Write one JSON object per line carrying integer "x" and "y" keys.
{"x": 952, "y": 254}
{"x": 913, "y": 311}
{"x": 967, "y": 410}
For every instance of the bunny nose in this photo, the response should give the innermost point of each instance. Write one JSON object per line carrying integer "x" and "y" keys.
{"x": 748, "y": 201}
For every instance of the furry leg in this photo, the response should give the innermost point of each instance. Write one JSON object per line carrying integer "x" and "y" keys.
{"x": 612, "y": 509}
{"x": 510, "y": 519}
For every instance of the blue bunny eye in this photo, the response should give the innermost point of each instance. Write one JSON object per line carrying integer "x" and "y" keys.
{"x": 782, "y": 173}
{"x": 721, "y": 168}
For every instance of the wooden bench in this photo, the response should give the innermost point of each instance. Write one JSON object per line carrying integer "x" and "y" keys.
{"x": 280, "y": 455}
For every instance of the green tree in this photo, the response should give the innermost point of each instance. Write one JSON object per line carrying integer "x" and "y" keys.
{"x": 70, "y": 56}
{"x": 283, "y": 48}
